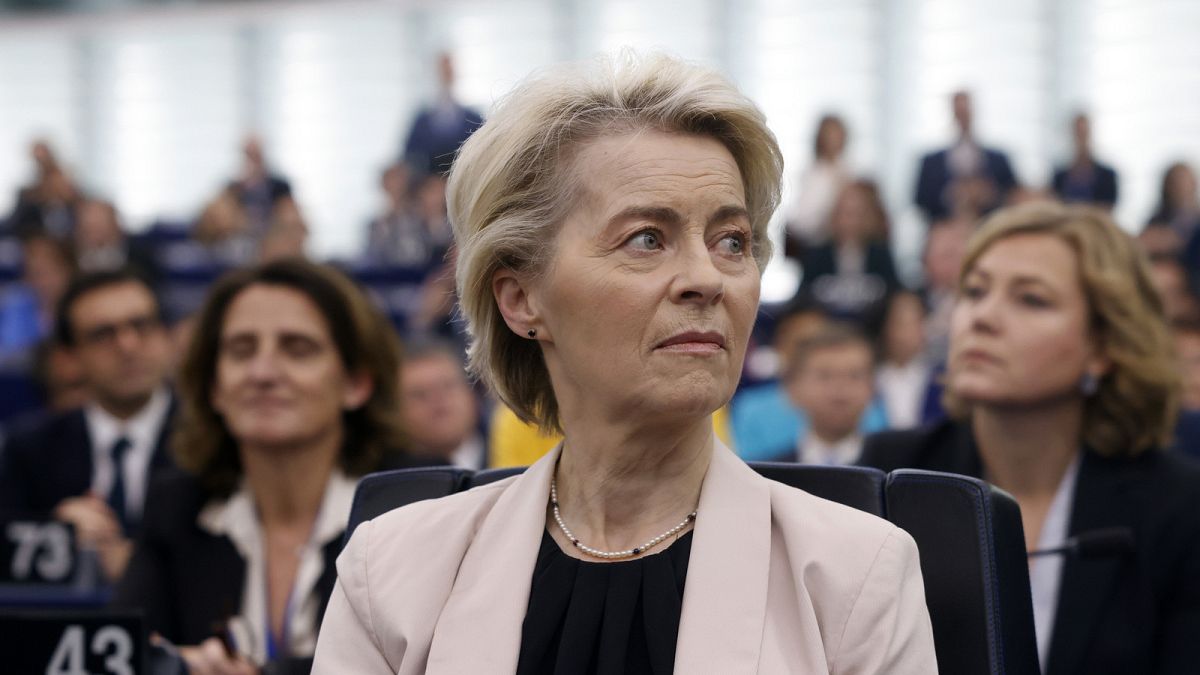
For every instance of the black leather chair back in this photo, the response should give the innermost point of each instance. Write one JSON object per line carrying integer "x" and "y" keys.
{"x": 857, "y": 486}
{"x": 492, "y": 475}
{"x": 973, "y": 560}
{"x": 381, "y": 492}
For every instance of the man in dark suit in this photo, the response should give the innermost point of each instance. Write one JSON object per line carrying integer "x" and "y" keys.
{"x": 1085, "y": 179}
{"x": 258, "y": 189}
{"x": 441, "y": 128}
{"x": 965, "y": 178}
{"x": 90, "y": 467}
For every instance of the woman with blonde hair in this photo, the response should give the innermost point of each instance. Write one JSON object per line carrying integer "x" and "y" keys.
{"x": 1062, "y": 383}
{"x": 611, "y": 229}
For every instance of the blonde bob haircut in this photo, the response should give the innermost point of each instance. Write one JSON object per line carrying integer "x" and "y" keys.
{"x": 514, "y": 181}
{"x": 1134, "y": 408}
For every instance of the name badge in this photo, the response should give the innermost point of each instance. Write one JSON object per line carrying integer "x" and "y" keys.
{"x": 72, "y": 643}
{"x": 34, "y": 552}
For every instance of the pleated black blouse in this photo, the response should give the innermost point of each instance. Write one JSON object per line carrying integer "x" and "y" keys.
{"x": 603, "y": 618}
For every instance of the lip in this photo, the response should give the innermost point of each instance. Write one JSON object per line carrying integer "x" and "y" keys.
{"x": 978, "y": 356}
{"x": 694, "y": 342}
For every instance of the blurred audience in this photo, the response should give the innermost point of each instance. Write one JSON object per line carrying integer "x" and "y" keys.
{"x": 829, "y": 379}
{"x": 47, "y": 204}
{"x": 945, "y": 247}
{"x": 762, "y": 418}
{"x": 286, "y": 235}
{"x": 413, "y": 230}
{"x": 1064, "y": 391}
{"x": 966, "y": 179}
{"x": 1085, "y": 179}
{"x": 60, "y": 376}
{"x": 904, "y": 378}
{"x": 438, "y": 407}
{"x": 440, "y": 127}
{"x": 807, "y": 219}
{"x": 288, "y": 393}
{"x": 27, "y": 308}
{"x": 1178, "y": 209}
{"x": 224, "y": 228}
{"x": 90, "y": 466}
{"x": 1170, "y": 279}
{"x": 258, "y": 190}
{"x": 101, "y": 242}
{"x": 852, "y": 274}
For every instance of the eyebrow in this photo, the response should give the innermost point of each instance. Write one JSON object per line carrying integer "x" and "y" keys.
{"x": 1019, "y": 280}
{"x": 666, "y": 215}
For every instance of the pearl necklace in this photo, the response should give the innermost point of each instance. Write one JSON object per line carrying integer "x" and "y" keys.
{"x": 611, "y": 555}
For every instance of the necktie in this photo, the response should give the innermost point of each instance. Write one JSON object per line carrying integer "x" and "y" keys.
{"x": 116, "y": 495}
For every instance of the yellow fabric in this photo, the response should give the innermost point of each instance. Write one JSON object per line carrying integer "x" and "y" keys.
{"x": 514, "y": 443}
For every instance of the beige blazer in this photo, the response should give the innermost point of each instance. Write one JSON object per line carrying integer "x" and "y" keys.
{"x": 778, "y": 581}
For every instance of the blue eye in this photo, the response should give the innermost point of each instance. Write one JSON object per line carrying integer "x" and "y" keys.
{"x": 734, "y": 243}
{"x": 647, "y": 240}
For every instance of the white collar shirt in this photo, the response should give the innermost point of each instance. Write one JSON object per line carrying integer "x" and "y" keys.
{"x": 903, "y": 389}
{"x": 844, "y": 452}
{"x": 143, "y": 431}
{"x": 237, "y": 518}
{"x": 1045, "y": 573}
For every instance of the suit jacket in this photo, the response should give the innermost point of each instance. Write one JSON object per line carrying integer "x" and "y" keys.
{"x": 184, "y": 578}
{"x": 1101, "y": 190}
{"x": 855, "y": 298}
{"x": 432, "y": 144}
{"x": 1138, "y": 613}
{"x": 52, "y": 460}
{"x": 778, "y": 581}
{"x": 935, "y": 175}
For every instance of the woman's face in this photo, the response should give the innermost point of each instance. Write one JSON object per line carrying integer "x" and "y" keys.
{"x": 1019, "y": 332}
{"x": 850, "y": 223}
{"x": 280, "y": 381}
{"x": 651, "y": 293}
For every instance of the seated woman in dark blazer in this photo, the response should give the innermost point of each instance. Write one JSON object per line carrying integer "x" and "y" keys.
{"x": 852, "y": 275}
{"x": 288, "y": 391}
{"x": 1060, "y": 376}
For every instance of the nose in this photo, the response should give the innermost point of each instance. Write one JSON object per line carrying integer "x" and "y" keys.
{"x": 983, "y": 313}
{"x": 264, "y": 367}
{"x": 697, "y": 280}
{"x": 128, "y": 339}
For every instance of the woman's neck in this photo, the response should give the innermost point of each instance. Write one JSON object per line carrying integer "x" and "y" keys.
{"x": 1026, "y": 451}
{"x": 289, "y": 483}
{"x": 620, "y": 486}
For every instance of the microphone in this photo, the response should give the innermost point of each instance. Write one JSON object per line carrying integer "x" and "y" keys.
{"x": 1111, "y": 541}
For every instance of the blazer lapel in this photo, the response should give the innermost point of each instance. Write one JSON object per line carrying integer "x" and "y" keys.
{"x": 725, "y": 594}
{"x": 1101, "y": 501}
{"x": 479, "y": 630}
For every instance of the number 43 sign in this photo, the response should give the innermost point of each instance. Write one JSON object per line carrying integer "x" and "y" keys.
{"x": 68, "y": 643}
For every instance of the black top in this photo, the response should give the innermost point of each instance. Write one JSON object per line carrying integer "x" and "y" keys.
{"x": 599, "y": 618}
{"x": 1123, "y": 612}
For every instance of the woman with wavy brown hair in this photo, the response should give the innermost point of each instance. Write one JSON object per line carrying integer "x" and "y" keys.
{"x": 1061, "y": 380}
{"x": 288, "y": 392}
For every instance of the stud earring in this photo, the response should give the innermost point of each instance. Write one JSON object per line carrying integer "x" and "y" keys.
{"x": 531, "y": 333}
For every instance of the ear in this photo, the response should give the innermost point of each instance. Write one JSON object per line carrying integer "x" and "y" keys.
{"x": 516, "y": 303}
{"x": 357, "y": 389}
{"x": 1098, "y": 364}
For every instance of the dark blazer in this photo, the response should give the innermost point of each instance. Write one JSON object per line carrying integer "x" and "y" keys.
{"x": 51, "y": 460}
{"x": 857, "y": 299}
{"x": 431, "y": 145}
{"x": 935, "y": 175}
{"x": 1137, "y": 613}
{"x": 1101, "y": 190}
{"x": 184, "y": 578}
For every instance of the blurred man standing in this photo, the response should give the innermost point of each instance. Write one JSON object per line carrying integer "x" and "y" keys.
{"x": 965, "y": 179}
{"x": 440, "y": 128}
{"x": 90, "y": 467}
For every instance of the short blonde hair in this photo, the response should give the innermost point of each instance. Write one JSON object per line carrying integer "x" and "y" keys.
{"x": 1135, "y": 406}
{"x": 513, "y": 183}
